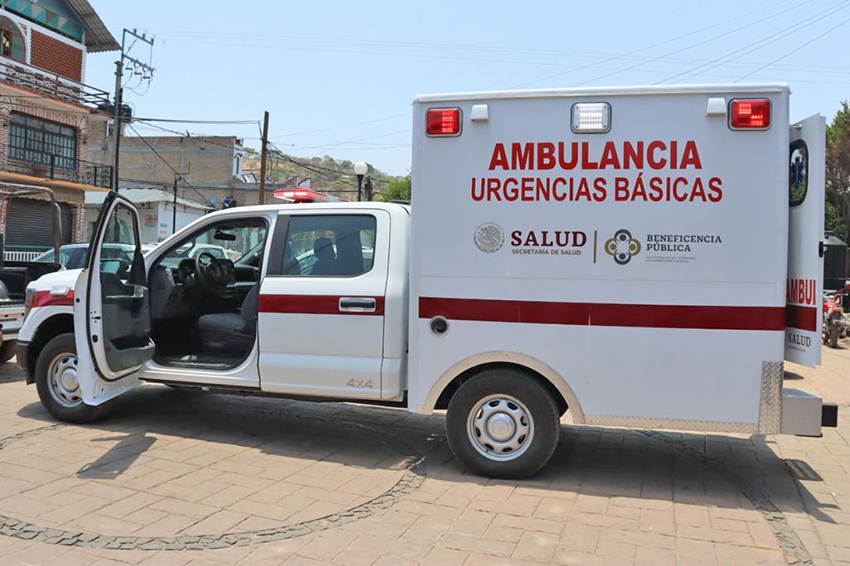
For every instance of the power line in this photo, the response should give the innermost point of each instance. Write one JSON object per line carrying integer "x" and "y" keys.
{"x": 167, "y": 164}
{"x": 795, "y": 50}
{"x": 750, "y": 47}
{"x": 197, "y": 121}
{"x": 615, "y": 57}
{"x": 697, "y": 44}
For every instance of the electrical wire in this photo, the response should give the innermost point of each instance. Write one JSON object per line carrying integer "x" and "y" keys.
{"x": 754, "y": 46}
{"x": 658, "y": 44}
{"x": 167, "y": 164}
{"x": 697, "y": 44}
{"x": 795, "y": 50}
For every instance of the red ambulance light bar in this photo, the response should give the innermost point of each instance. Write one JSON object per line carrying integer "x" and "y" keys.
{"x": 303, "y": 195}
{"x": 443, "y": 122}
{"x": 749, "y": 114}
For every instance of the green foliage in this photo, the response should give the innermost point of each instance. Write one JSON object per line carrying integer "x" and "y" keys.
{"x": 398, "y": 189}
{"x": 838, "y": 173}
{"x": 326, "y": 174}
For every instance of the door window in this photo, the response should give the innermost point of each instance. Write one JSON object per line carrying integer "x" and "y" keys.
{"x": 331, "y": 245}
{"x": 798, "y": 182}
{"x": 119, "y": 244}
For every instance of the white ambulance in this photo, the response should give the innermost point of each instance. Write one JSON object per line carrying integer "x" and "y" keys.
{"x": 640, "y": 257}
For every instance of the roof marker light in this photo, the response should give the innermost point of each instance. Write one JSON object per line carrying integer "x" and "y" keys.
{"x": 443, "y": 122}
{"x": 591, "y": 118}
{"x": 749, "y": 114}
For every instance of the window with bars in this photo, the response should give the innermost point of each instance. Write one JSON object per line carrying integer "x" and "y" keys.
{"x": 41, "y": 141}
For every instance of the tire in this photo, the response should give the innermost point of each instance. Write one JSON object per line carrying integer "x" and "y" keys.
{"x": 7, "y": 351}
{"x": 513, "y": 395}
{"x": 833, "y": 337}
{"x": 58, "y": 397}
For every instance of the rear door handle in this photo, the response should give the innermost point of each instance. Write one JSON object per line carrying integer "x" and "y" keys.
{"x": 357, "y": 304}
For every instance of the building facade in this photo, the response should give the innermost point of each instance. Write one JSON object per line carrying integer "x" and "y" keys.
{"x": 46, "y": 114}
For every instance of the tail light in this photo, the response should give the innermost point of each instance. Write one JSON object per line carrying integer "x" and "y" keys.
{"x": 749, "y": 114}
{"x": 443, "y": 122}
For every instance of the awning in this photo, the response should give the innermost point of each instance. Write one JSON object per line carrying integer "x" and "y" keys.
{"x": 51, "y": 183}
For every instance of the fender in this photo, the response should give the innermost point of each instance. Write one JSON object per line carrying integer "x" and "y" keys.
{"x": 515, "y": 358}
{"x": 37, "y": 316}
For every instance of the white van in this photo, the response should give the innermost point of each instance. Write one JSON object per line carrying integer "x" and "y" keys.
{"x": 642, "y": 257}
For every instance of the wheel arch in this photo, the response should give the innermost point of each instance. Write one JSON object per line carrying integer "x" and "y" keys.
{"x": 450, "y": 380}
{"x": 59, "y": 323}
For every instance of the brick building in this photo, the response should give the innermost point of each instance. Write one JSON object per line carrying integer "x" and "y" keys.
{"x": 210, "y": 164}
{"x": 46, "y": 114}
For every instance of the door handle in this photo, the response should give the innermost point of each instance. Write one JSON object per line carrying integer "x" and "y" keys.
{"x": 357, "y": 304}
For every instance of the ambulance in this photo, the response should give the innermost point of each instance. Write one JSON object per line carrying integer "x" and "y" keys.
{"x": 636, "y": 257}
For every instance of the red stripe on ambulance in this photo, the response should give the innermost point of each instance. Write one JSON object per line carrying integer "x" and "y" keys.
{"x": 606, "y": 314}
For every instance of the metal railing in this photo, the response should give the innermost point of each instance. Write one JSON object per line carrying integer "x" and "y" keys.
{"x": 9, "y": 255}
{"x": 51, "y": 85}
{"x": 86, "y": 172}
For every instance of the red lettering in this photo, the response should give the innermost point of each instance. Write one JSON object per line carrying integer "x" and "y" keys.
{"x": 499, "y": 158}
{"x": 633, "y": 157}
{"x": 609, "y": 157}
{"x": 691, "y": 156}
{"x": 650, "y": 155}
{"x": 546, "y": 156}
{"x": 567, "y": 165}
{"x": 585, "y": 161}
{"x": 522, "y": 156}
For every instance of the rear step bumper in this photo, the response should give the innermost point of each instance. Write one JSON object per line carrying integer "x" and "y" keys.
{"x": 804, "y": 413}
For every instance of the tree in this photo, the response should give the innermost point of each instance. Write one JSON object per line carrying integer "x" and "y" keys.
{"x": 397, "y": 189}
{"x": 838, "y": 173}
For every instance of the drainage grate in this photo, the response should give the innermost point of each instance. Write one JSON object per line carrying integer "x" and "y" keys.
{"x": 802, "y": 471}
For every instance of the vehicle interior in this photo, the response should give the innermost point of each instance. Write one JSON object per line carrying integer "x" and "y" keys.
{"x": 204, "y": 295}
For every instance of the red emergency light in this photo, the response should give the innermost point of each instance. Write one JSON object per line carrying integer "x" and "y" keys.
{"x": 443, "y": 122}
{"x": 302, "y": 195}
{"x": 749, "y": 114}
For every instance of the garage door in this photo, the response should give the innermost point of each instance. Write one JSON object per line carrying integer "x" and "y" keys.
{"x": 29, "y": 224}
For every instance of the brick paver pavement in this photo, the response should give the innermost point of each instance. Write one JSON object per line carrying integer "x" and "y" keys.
{"x": 171, "y": 477}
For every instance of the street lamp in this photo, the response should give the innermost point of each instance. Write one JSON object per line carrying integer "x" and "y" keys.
{"x": 360, "y": 169}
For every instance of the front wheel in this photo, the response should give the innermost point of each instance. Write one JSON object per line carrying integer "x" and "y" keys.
{"x": 503, "y": 423}
{"x": 57, "y": 383}
{"x": 833, "y": 337}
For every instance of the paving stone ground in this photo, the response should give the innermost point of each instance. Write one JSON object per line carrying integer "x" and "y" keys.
{"x": 174, "y": 478}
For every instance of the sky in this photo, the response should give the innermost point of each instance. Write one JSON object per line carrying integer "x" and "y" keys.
{"x": 338, "y": 77}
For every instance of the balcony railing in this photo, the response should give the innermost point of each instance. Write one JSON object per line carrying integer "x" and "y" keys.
{"x": 50, "y": 84}
{"x": 86, "y": 172}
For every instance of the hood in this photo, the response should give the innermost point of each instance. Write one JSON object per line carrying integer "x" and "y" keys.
{"x": 63, "y": 277}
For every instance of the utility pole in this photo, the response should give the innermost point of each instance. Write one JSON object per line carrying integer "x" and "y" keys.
{"x": 263, "y": 156}
{"x": 138, "y": 68}
{"x": 174, "y": 212}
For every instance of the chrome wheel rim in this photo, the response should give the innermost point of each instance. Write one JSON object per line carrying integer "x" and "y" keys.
{"x": 62, "y": 380}
{"x": 500, "y": 427}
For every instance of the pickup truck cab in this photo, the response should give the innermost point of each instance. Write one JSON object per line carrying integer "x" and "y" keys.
{"x": 639, "y": 256}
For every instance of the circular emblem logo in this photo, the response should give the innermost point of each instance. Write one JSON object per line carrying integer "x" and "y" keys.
{"x": 489, "y": 237}
{"x": 622, "y": 247}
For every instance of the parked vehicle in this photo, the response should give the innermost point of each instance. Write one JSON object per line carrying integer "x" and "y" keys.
{"x": 73, "y": 256}
{"x": 491, "y": 296}
{"x": 833, "y": 318}
{"x": 15, "y": 276}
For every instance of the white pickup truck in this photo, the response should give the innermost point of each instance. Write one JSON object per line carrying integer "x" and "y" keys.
{"x": 636, "y": 256}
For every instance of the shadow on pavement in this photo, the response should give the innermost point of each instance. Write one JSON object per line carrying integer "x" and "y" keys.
{"x": 701, "y": 469}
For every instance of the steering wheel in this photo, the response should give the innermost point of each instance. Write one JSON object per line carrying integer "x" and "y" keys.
{"x": 214, "y": 274}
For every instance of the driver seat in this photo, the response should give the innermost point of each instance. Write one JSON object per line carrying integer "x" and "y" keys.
{"x": 231, "y": 331}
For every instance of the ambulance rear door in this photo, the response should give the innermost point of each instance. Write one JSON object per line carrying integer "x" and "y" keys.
{"x": 804, "y": 297}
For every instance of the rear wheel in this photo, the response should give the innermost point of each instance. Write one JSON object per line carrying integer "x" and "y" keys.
{"x": 503, "y": 423}
{"x": 57, "y": 383}
{"x": 833, "y": 337}
{"x": 7, "y": 351}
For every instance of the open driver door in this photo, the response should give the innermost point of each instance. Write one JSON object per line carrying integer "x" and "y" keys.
{"x": 804, "y": 287}
{"x": 112, "y": 321}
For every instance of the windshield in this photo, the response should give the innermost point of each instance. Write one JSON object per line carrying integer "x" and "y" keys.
{"x": 229, "y": 241}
